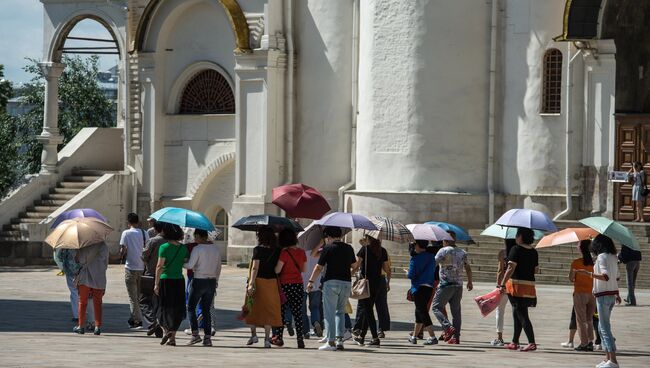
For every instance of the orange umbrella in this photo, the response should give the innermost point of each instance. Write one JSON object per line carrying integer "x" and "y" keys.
{"x": 566, "y": 236}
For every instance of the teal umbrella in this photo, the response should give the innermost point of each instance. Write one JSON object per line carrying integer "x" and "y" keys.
{"x": 506, "y": 232}
{"x": 612, "y": 229}
{"x": 183, "y": 218}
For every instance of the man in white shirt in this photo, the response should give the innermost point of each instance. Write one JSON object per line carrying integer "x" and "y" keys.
{"x": 131, "y": 245}
{"x": 205, "y": 262}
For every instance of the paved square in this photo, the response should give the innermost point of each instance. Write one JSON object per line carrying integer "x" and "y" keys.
{"x": 35, "y": 331}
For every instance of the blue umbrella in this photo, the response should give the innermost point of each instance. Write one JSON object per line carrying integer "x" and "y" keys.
{"x": 183, "y": 217}
{"x": 505, "y": 232}
{"x": 347, "y": 220}
{"x": 77, "y": 213}
{"x": 278, "y": 223}
{"x": 461, "y": 234}
{"x": 522, "y": 217}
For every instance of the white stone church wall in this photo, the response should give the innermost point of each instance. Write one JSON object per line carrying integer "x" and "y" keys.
{"x": 323, "y": 38}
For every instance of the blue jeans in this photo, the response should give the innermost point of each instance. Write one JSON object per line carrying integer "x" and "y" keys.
{"x": 605, "y": 304}
{"x": 335, "y": 297}
{"x": 314, "y": 301}
{"x": 201, "y": 292}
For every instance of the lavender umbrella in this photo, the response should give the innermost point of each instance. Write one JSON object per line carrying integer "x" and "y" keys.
{"x": 532, "y": 219}
{"x": 428, "y": 232}
{"x": 77, "y": 213}
{"x": 347, "y": 220}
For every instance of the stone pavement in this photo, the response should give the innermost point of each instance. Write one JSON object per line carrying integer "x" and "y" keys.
{"x": 35, "y": 331}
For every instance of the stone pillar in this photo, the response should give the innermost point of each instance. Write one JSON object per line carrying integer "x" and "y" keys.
{"x": 50, "y": 137}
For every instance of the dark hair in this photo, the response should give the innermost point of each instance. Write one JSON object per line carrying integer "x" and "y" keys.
{"x": 171, "y": 231}
{"x": 200, "y": 232}
{"x": 603, "y": 244}
{"x": 332, "y": 232}
{"x": 586, "y": 255}
{"x": 158, "y": 226}
{"x": 266, "y": 236}
{"x": 132, "y": 218}
{"x": 422, "y": 244}
{"x": 509, "y": 244}
{"x": 527, "y": 235}
{"x": 434, "y": 247}
{"x": 287, "y": 238}
{"x": 374, "y": 245}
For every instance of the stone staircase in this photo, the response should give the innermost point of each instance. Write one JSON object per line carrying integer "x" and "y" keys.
{"x": 555, "y": 262}
{"x": 14, "y": 248}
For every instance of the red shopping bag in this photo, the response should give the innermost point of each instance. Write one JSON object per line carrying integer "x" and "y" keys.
{"x": 488, "y": 302}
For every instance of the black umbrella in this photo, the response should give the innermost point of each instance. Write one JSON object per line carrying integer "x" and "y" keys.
{"x": 254, "y": 222}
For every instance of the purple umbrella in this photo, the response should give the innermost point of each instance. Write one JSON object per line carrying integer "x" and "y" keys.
{"x": 347, "y": 220}
{"x": 532, "y": 219}
{"x": 77, "y": 213}
{"x": 428, "y": 232}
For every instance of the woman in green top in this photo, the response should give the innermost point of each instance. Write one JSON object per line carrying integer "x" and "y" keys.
{"x": 170, "y": 284}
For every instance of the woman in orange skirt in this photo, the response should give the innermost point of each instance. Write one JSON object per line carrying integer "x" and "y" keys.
{"x": 263, "y": 287}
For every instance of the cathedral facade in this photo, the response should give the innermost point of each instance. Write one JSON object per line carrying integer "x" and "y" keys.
{"x": 418, "y": 110}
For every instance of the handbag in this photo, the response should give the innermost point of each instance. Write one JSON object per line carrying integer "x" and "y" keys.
{"x": 409, "y": 295}
{"x": 361, "y": 287}
{"x": 645, "y": 191}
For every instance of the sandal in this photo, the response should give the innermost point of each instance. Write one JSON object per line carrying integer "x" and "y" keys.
{"x": 166, "y": 337}
{"x": 171, "y": 343}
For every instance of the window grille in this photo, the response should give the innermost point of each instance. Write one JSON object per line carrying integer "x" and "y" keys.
{"x": 207, "y": 93}
{"x": 552, "y": 82}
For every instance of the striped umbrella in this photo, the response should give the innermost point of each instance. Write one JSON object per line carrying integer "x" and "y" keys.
{"x": 390, "y": 229}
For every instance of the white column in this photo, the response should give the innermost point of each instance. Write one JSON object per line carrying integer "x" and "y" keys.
{"x": 50, "y": 137}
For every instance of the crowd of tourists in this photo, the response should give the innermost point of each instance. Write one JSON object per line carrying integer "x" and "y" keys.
{"x": 307, "y": 292}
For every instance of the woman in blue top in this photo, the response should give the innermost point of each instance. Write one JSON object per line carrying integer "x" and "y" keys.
{"x": 422, "y": 272}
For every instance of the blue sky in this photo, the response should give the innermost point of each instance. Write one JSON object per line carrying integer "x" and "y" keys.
{"x": 21, "y": 36}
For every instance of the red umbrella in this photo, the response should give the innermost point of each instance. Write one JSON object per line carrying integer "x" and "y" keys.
{"x": 300, "y": 201}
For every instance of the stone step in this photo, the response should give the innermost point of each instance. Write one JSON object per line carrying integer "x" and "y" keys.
{"x": 87, "y": 172}
{"x": 8, "y": 232}
{"x": 30, "y": 214}
{"x": 54, "y": 203}
{"x": 74, "y": 184}
{"x": 16, "y": 221}
{"x": 80, "y": 178}
{"x": 59, "y": 190}
{"x": 39, "y": 208}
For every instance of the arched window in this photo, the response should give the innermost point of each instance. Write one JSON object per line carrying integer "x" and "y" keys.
{"x": 552, "y": 82}
{"x": 221, "y": 224}
{"x": 208, "y": 92}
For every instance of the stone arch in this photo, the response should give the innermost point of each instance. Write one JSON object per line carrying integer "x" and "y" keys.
{"x": 582, "y": 20}
{"x": 234, "y": 12}
{"x": 208, "y": 171}
{"x": 190, "y": 72}
{"x": 63, "y": 30}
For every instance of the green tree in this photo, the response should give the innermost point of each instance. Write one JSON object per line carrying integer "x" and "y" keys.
{"x": 81, "y": 104}
{"x": 5, "y": 90}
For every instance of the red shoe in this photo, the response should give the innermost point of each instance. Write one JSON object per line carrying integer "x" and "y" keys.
{"x": 448, "y": 333}
{"x": 511, "y": 346}
{"x": 454, "y": 341}
{"x": 529, "y": 347}
{"x": 277, "y": 341}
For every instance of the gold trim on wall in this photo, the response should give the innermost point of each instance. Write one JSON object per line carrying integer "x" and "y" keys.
{"x": 233, "y": 10}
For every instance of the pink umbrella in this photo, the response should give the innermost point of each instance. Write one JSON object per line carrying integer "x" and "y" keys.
{"x": 428, "y": 232}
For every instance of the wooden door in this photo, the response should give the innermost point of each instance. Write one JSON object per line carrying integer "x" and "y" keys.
{"x": 632, "y": 144}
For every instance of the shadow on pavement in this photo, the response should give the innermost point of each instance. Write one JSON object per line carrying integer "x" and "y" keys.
{"x": 54, "y": 316}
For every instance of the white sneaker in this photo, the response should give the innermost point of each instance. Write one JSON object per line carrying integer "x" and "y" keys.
{"x": 188, "y": 331}
{"x": 324, "y": 339}
{"x": 252, "y": 340}
{"x": 609, "y": 364}
{"x": 568, "y": 345}
{"x": 347, "y": 335}
{"x": 598, "y": 347}
{"x": 327, "y": 347}
{"x": 497, "y": 342}
{"x": 267, "y": 343}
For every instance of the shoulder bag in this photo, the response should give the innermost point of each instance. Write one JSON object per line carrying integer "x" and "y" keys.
{"x": 361, "y": 286}
{"x": 146, "y": 281}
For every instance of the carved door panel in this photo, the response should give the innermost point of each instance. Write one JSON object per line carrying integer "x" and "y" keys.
{"x": 632, "y": 144}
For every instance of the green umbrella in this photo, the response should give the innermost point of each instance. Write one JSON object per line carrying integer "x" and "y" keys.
{"x": 506, "y": 232}
{"x": 612, "y": 229}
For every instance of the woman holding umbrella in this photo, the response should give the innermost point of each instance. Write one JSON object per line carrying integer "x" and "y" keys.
{"x": 91, "y": 280}
{"x": 519, "y": 281}
{"x": 605, "y": 289}
{"x": 263, "y": 287}
{"x": 170, "y": 284}
{"x": 584, "y": 302}
{"x": 422, "y": 272}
